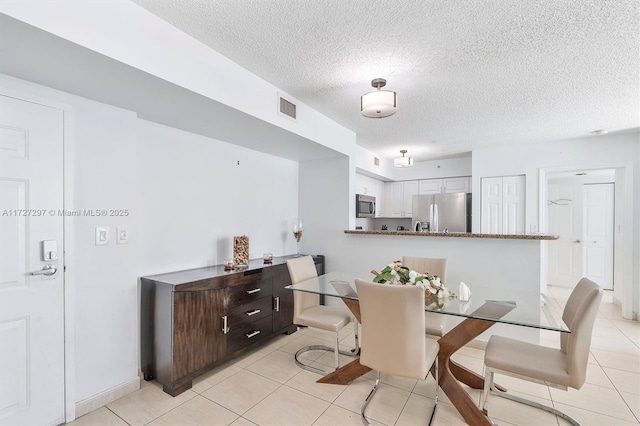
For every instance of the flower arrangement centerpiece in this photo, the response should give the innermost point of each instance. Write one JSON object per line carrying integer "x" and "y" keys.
{"x": 397, "y": 273}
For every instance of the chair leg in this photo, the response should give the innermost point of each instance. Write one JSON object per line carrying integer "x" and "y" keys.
{"x": 356, "y": 348}
{"x": 435, "y": 403}
{"x": 489, "y": 385}
{"x": 336, "y": 351}
{"x": 365, "y": 422}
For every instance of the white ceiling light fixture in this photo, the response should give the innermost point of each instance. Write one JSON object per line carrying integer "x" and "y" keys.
{"x": 403, "y": 161}
{"x": 379, "y": 103}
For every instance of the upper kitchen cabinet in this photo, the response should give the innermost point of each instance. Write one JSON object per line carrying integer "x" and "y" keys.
{"x": 374, "y": 187}
{"x": 502, "y": 202}
{"x": 445, "y": 186}
{"x": 399, "y": 197}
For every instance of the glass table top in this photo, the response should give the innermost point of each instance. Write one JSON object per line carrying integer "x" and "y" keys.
{"x": 517, "y": 307}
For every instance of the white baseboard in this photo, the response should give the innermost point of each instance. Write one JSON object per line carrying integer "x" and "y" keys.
{"x": 106, "y": 397}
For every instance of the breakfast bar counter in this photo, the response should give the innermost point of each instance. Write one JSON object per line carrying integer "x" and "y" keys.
{"x": 538, "y": 237}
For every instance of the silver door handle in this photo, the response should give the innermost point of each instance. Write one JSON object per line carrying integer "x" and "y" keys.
{"x": 577, "y": 241}
{"x": 46, "y": 270}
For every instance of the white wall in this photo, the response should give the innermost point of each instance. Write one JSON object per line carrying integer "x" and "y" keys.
{"x": 186, "y": 196}
{"x": 609, "y": 151}
{"x": 194, "y": 197}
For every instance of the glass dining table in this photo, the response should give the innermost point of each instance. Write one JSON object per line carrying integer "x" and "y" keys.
{"x": 486, "y": 307}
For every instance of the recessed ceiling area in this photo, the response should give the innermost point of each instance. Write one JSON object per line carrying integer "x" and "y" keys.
{"x": 468, "y": 74}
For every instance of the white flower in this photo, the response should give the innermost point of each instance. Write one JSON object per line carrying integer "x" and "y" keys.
{"x": 393, "y": 272}
{"x": 413, "y": 275}
{"x": 435, "y": 284}
{"x": 432, "y": 290}
{"x": 443, "y": 293}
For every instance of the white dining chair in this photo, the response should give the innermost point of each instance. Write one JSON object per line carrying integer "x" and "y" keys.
{"x": 435, "y": 323}
{"x": 307, "y": 311}
{"x": 393, "y": 337}
{"x": 561, "y": 368}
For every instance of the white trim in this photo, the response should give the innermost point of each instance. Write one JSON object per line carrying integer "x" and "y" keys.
{"x": 623, "y": 261}
{"x": 91, "y": 404}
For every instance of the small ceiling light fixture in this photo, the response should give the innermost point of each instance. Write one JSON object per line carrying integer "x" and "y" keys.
{"x": 403, "y": 161}
{"x": 379, "y": 103}
{"x": 600, "y": 132}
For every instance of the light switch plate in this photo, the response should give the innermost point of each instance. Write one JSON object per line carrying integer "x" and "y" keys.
{"x": 122, "y": 235}
{"x": 102, "y": 236}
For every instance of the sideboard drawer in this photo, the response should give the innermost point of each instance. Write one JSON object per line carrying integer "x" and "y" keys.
{"x": 248, "y": 333}
{"x": 250, "y": 312}
{"x": 239, "y": 295}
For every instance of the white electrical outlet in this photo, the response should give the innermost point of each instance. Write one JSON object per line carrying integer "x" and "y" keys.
{"x": 122, "y": 235}
{"x": 102, "y": 236}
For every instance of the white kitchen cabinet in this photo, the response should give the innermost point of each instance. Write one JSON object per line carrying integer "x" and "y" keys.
{"x": 502, "y": 203}
{"x": 445, "y": 185}
{"x": 399, "y": 198}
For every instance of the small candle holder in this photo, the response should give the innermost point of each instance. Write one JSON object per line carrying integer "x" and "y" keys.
{"x": 267, "y": 257}
{"x": 228, "y": 264}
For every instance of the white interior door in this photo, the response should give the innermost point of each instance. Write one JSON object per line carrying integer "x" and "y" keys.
{"x": 598, "y": 233}
{"x": 31, "y": 306}
{"x": 564, "y": 213}
{"x": 491, "y": 216}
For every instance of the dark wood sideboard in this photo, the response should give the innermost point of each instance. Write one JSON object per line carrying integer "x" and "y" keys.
{"x": 194, "y": 320}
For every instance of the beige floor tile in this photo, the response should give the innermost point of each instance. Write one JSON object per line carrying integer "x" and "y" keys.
{"x": 403, "y": 383}
{"x": 417, "y": 411}
{"x": 147, "y": 404}
{"x": 250, "y": 357}
{"x": 633, "y": 402}
{"x": 283, "y": 339}
{"x": 351, "y": 398}
{"x": 597, "y": 376}
{"x": 447, "y": 415}
{"x": 335, "y": 415}
{"x": 328, "y": 359}
{"x": 305, "y": 381}
{"x": 385, "y": 406}
{"x": 621, "y": 345}
{"x": 504, "y": 410}
{"x": 197, "y": 411}
{"x": 472, "y": 363}
{"x": 591, "y": 418}
{"x": 241, "y": 391}
{"x": 100, "y": 417}
{"x": 213, "y": 377}
{"x": 287, "y": 406}
{"x": 304, "y": 340}
{"x": 241, "y": 421}
{"x": 617, "y": 361}
{"x": 624, "y": 381}
{"x": 278, "y": 366}
{"x": 590, "y": 397}
{"x": 524, "y": 388}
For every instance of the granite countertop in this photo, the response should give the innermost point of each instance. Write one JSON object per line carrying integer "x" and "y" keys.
{"x": 455, "y": 235}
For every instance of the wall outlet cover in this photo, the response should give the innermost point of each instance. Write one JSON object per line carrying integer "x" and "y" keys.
{"x": 122, "y": 235}
{"x": 102, "y": 236}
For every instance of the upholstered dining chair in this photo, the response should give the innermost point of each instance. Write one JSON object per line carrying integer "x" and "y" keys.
{"x": 561, "y": 368}
{"x": 436, "y": 323}
{"x": 307, "y": 311}
{"x": 393, "y": 338}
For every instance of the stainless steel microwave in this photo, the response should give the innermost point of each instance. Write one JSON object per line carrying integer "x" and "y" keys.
{"x": 365, "y": 205}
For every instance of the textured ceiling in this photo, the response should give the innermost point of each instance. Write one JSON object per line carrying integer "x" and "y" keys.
{"x": 468, "y": 74}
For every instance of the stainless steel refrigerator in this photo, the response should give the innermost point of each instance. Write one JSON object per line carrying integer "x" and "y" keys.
{"x": 443, "y": 212}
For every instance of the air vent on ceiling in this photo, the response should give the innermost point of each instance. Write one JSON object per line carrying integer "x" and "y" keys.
{"x": 287, "y": 108}
{"x": 376, "y": 161}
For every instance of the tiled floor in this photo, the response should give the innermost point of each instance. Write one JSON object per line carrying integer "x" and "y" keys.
{"x": 265, "y": 387}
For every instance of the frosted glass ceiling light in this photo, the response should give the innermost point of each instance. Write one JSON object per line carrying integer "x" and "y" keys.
{"x": 379, "y": 103}
{"x": 403, "y": 161}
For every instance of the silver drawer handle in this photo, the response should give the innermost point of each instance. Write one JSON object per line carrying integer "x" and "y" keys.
{"x": 225, "y": 328}
{"x": 250, "y": 335}
{"x": 255, "y": 290}
{"x": 277, "y": 300}
{"x": 255, "y": 311}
